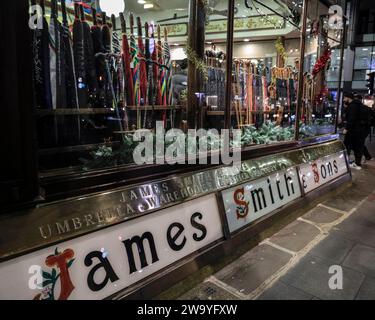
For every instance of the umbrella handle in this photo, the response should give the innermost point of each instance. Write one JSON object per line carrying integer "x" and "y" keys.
{"x": 113, "y": 20}
{"x": 94, "y": 16}
{"x": 76, "y": 10}
{"x": 123, "y": 22}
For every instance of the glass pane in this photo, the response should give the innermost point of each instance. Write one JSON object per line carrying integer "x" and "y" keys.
{"x": 322, "y": 71}
{"x": 98, "y": 79}
{"x": 265, "y": 70}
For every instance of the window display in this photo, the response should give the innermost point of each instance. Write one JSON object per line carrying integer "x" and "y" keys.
{"x": 98, "y": 79}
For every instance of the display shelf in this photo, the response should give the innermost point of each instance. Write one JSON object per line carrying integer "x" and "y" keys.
{"x": 94, "y": 111}
{"x": 212, "y": 113}
{"x": 155, "y": 108}
{"x": 78, "y": 148}
{"x": 74, "y": 112}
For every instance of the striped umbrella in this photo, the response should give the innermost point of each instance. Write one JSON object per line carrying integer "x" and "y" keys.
{"x": 115, "y": 60}
{"x": 168, "y": 64}
{"x": 161, "y": 76}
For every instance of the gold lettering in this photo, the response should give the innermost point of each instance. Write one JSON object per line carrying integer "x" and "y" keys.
{"x": 63, "y": 228}
{"x": 77, "y": 223}
{"x": 133, "y": 196}
{"x": 88, "y": 219}
{"x": 45, "y": 236}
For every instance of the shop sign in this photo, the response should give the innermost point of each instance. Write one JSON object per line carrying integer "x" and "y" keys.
{"x": 318, "y": 173}
{"x": 103, "y": 263}
{"x": 249, "y": 202}
{"x": 47, "y": 224}
{"x": 246, "y": 24}
{"x": 175, "y": 29}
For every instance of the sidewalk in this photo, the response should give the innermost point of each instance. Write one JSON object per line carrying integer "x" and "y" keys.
{"x": 294, "y": 264}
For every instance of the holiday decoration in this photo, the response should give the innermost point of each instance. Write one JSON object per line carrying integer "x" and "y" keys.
{"x": 322, "y": 62}
{"x": 197, "y": 62}
{"x": 280, "y": 48}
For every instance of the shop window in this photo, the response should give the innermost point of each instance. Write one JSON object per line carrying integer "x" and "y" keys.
{"x": 364, "y": 58}
{"x": 98, "y": 78}
{"x": 322, "y": 70}
{"x": 265, "y": 70}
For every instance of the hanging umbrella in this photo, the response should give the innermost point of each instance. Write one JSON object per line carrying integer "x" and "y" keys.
{"x": 73, "y": 125}
{"x": 107, "y": 46}
{"x": 167, "y": 83}
{"x": 90, "y": 70}
{"x": 97, "y": 39}
{"x": 54, "y": 52}
{"x": 115, "y": 60}
{"x": 142, "y": 64}
{"x": 135, "y": 69}
{"x": 70, "y": 76}
{"x": 41, "y": 71}
{"x": 79, "y": 58}
{"x": 126, "y": 58}
{"x": 148, "y": 72}
{"x": 161, "y": 74}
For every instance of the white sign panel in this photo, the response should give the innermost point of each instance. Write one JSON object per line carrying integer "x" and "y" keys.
{"x": 322, "y": 171}
{"x": 249, "y": 202}
{"x": 103, "y": 263}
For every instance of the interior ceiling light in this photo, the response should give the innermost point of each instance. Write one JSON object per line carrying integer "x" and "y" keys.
{"x": 141, "y": 1}
{"x": 112, "y": 6}
{"x": 148, "y": 6}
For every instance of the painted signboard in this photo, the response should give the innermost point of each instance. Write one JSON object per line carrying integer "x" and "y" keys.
{"x": 248, "y": 202}
{"x": 103, "y": 263}
{"x": 318, "y": 173}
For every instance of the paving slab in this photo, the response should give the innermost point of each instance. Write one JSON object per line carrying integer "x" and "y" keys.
{"x": 341, "y": 202}
{"x": 334, "y": 248}
{"x": 208, "y": 291}
{"x": 311, "y": 275}
{"x": 322, "y": 215}
{"x": 357, "y": 229}
{"x": 362, "y": 259}
{"x": 252, "y": 269}
{"x": 367, "y": 291}
{"x": 295, "y": 236}
{"x": 282, "y": 291}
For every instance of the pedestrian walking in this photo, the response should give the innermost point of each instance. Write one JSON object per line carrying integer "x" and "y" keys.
{"x": 356, "y": 129}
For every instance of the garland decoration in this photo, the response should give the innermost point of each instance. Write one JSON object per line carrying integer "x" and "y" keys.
{"x": 322, "y": 62}
{"x": 197, "y": 62}
{"x": 207, "y": 10}
{"x": 280, "y": 48}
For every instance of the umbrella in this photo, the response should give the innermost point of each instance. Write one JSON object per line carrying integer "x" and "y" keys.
{"x": 89, "y": 57}
{"x": 135, "y": 68}
{"x": 148, "y": 72}
{"x": 116, "y": 59}
{"x": 142, "y": 64}
{"x": 107, "y": 46}
{"x": 70, "y": 75}
{"x": 167, "y": 81}
{"x": 41, "y": 71}
{"x": 97, "y": 39}
{"x": 126, "y": 58}
{"x": 79, "y": 58}
{"x": 161, "y": 75}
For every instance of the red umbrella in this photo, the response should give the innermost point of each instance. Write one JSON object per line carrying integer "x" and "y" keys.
{"x": 159, "y": 50}
{"x": 126, "y": 56}
{"x": 142, "y": 64}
